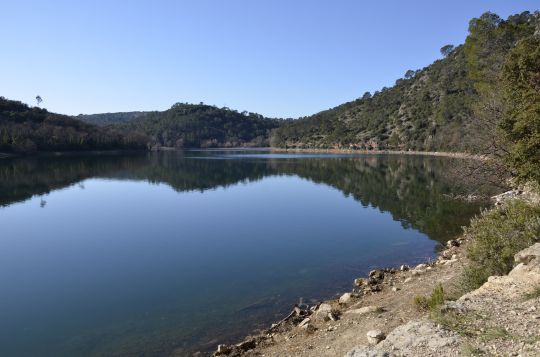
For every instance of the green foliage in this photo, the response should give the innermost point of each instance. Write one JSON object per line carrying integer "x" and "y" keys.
{"x": 496, "y": 236}
{"x": 447, "y": 50}
{"x": 521, "y": 122}
{"x": 26, "y": 130}
{"x": 490, "y": 38}
{"x": 432, "y": 109}
{"x": 431, "y": 303}
{"x": 203, "y": 126}
{"x": 105, "y": 119}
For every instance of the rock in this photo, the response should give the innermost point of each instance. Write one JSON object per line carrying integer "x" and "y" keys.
{"x": 376, "y": 275}
{"x": 223, "y": 349}
{"x": 247, "y": 345}
{"x": 304, "y": 322}
{"x": 395, "y": 288}
{"x": 375, "y": 336}
{"x": 447, "y": 254}
{"x": 407, "y": 280}
{"x": 417, "y": 272}
{"x": 404, "y": 268}
{"x": 360, "y": 282}
{"x": 363, "y": 351}
{"x": 322, "y": 312}
{"x": 419, "y": 338}
{"x": 421, "y": 266}
{"x": 363, "y": 310}
{"x": 324, "y": 308}
{"x": 345, "y": 298}
{"x": 527, "y": 255}
{"x": 452, "y": 243}
{"x": 332, "y": 316}
{"x": 452, "y": 306}
{"x": 454, "y": 257}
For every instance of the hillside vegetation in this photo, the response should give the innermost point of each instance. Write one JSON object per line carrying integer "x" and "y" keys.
{"x": 204, "y": 126}
{"x": 26, "y": 130}
{"x": 104, "y": 119}
{"x": 193, "y": 126}
{"x": 441, "y": 107}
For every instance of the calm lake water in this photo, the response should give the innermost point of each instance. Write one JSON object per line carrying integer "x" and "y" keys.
{"x": 161, "y": 253}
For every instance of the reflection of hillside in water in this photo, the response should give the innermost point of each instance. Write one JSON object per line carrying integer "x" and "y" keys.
{"x": 411, "y": 188}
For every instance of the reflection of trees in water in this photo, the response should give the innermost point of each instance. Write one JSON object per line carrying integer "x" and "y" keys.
{"x": 411, "y": 188}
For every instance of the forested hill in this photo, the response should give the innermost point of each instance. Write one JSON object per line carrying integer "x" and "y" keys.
{"x": 434, "y": 108}
{"x": 26, "y": 130}
{"x": 203, "y": 126}
{"x": 104, "y": 119}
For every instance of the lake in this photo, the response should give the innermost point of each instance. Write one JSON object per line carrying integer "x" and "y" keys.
{"x": 175, "y": 252}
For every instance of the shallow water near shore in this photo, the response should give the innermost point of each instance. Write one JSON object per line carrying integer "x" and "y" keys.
{"x": 174, "y": 252}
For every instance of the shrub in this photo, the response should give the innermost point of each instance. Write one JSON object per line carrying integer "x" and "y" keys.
{"x": 431, "y": 303}
{"x": 496, "y": 236}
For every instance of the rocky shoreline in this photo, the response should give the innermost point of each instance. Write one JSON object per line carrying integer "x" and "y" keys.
{"x": 308, "y": 319}
{"x": 378, "y": 317}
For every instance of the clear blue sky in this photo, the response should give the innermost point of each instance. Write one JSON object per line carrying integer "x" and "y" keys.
{"x": 279, "y": 58}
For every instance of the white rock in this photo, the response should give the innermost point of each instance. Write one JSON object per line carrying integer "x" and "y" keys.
{"x": 345, "y": 298}
{"x": 407, "y": 280}
{"x": 322, "y": 312}
{"x": 528, "y": 254}
{"x": 420, "y": 334}
{"x": 304, "y": 322}
{"x": 375, "y": 336}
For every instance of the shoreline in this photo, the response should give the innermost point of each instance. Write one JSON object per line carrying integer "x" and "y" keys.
{"x": 368, "y": 292}
{"x": 460, "y": 155}
{"x": 387, "y": 304}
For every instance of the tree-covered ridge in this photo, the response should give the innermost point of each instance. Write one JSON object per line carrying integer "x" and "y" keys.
{"x": 104, "y": 119}
{"x": 25, "y": 130}
{"x": 434, "y": 108}
{"x": 194, "y": 126}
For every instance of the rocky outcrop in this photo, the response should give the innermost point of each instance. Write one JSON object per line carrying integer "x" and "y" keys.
{"x": 500, "y": 318}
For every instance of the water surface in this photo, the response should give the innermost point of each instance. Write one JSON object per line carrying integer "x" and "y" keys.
{"x": 175, "y": 252}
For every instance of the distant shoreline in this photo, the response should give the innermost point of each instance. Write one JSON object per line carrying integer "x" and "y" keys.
{"x": 461, "y": 155}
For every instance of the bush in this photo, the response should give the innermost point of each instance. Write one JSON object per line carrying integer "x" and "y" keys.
{"x": 431, "y": 303}
{"x": 496, "y": 236}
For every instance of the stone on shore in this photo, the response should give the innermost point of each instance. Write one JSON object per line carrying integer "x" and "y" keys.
{"x": 375, "y": 336}
{"x": 345, "y": 298}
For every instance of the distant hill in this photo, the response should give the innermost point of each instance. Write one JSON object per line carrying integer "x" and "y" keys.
{"x": 434, "y": 108}
{"x": 25, "y": 129}
{"x": 104, "y": 119}
{"x": 194, "y": 126}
